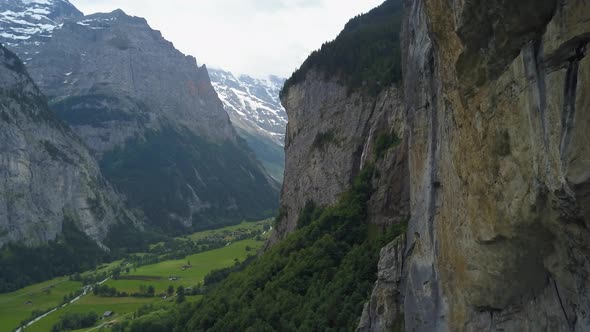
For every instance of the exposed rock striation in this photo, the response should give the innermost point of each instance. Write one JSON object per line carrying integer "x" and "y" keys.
{"x": 498, "y": 148}
{"x": 47, "y": 174}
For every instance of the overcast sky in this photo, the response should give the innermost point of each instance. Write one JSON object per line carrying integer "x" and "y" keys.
{"x": 256, "y": 37}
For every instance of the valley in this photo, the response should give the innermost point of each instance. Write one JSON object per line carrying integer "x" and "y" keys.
{"x": 425, "y": 169}
{"x": 239, "y": 242}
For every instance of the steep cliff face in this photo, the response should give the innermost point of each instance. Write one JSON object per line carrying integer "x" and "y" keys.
{"x": 497, "y": 98}
{"x": 494, "y": 115}
{"x": 47, "y": 174}
{"x": 151, "y": 117}
{"x": 338, "y": 125}
{"x": 330, "y": 136}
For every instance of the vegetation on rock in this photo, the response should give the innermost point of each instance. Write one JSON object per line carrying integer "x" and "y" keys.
{"x": 366, "y": 54}
{"x": 318, "y": 278}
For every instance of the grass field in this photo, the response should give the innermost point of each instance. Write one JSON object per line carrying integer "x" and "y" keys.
{"x": 43, "y": 296}
{"x": 202, "y": 264}
{"x": 121, "y": 307}
{"x": 14, "y": 306}
{"x": 227, "y": 231}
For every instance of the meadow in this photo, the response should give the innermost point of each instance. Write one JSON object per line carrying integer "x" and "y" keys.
{"x": 18, "y": 306}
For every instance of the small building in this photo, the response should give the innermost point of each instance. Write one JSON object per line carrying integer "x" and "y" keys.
{"x": 29, "y": 303}
{"x": 108, "y": 314}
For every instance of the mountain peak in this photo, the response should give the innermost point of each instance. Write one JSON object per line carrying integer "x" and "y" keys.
{"x": 33, "y": 20}
{"x": 252, "y": 103}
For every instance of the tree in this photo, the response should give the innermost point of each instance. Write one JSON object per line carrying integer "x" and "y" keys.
{"x": 151, "y": 290}
{"x": 170, "y": 290}
{"x": 180, "y": 294}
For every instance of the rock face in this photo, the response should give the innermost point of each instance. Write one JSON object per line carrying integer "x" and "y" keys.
{"x": 151, "y": 117}
{"x": 47, "y": 174}
{"x": 330, "y": 136}
{"x": 256, "y": 112}
{"x": 497, "y": 98}
{"x": 383, "y": 312}
{"x": 494, "y": 111}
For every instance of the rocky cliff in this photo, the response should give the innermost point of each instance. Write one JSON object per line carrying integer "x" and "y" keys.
{"x": 331, "y": 135}
{"x": 497, "y": 113}
{"x": 47, "y": 174}
{"x": 151, "y": 117}
{"x": 493, "y": 109}
{"x": 337, "y": 126}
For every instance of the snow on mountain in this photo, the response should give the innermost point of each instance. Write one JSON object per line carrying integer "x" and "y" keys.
{"x": 32, "y": 21}
{"x": 252, "y": 103}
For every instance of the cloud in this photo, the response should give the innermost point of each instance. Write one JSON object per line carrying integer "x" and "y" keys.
{"x": 256, "y": 37}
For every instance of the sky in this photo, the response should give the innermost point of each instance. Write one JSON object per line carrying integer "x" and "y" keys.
{"x": 254, "y": 37}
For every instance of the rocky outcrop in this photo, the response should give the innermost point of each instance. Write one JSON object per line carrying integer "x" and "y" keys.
{"x": 497, "y": 114}
{"x": 384, "y": 311}
{"x": 331, "y": 135}
{"x": 47, "y": 174}
{"x": 151, "y": 117}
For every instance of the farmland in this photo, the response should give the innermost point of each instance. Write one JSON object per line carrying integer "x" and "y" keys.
{"x": 240, "y": 241}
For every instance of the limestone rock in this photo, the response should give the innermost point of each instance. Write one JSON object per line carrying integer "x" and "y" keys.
{"x": 498, "y": 161}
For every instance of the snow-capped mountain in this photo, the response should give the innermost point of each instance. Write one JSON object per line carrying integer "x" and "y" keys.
{"x": 252, "y": 103}
{"x": 32, "y": 21}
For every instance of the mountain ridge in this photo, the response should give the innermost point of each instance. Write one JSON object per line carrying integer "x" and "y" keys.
{"x": 140, "y": 105}
{"x": 256, "y": 111}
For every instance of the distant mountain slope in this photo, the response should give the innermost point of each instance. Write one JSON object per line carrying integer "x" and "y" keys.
{"x": 255, "y": 110}
{"x": 55, "y": 207}
{"x": 32, "y": 21}
{"x": 152, "y": 118}
{"x": 47, "y": 174}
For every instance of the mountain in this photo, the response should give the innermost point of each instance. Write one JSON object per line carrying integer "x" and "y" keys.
{"x": 33, "y": 21}
{"x": 437, "y": 179}
{"x": 53, "y": 196}
{"x": 151, "y": 117}
{"x": 256, "y": 112}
